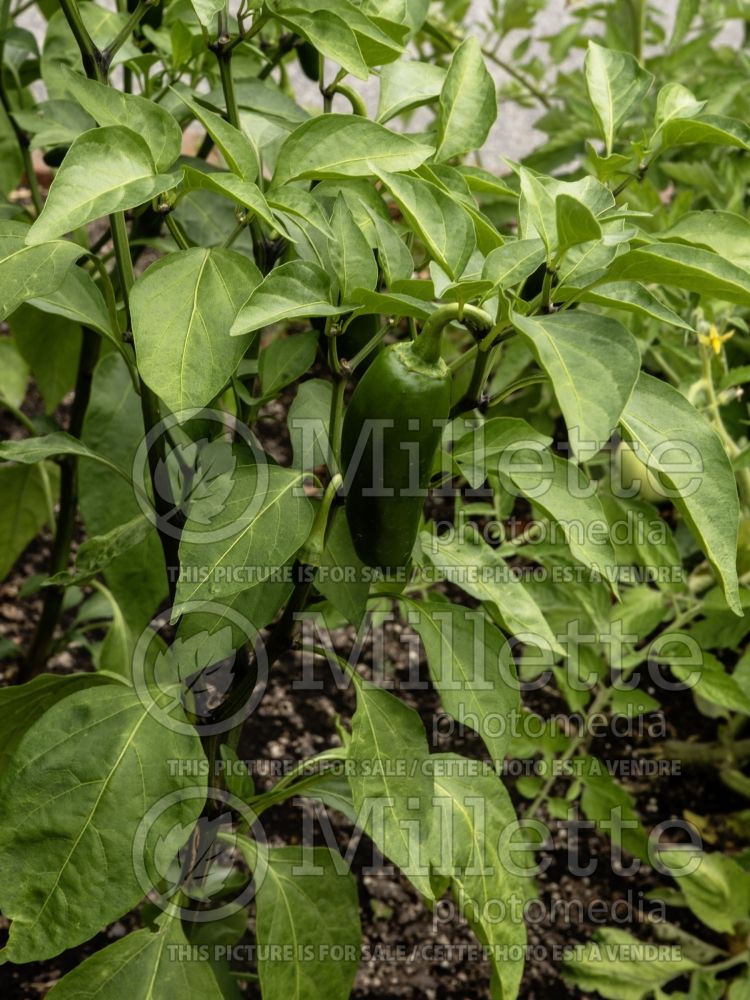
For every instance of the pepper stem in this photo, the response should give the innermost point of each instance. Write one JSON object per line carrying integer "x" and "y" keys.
{"x": 427, "y": 344}
{"x": 312, "y": 551}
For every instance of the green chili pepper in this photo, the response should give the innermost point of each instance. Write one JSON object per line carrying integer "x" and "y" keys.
{"x": 309, "y": 60}
{"x": 392, "y": 430}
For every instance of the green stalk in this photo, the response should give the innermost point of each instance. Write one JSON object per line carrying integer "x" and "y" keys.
{"x": 60, "y": 553}
{"x": 127, "y": 30}
{"x": 93, "y": 62}
{"x": 429, "y": 340}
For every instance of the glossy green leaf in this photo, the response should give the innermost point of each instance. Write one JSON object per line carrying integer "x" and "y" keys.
{"x": 407, "y": 84}
{"x": 14, "y": 373}
{"x": 351, "y": 255}
{"x": 27, "y": 272}
{"x": 345, "y": 146}
{"x": 687, "y": 267}
{"x": 240, "y": 190}
{"x": 153, "y": 123}
{"x": 327, "y": 32}
{"x": 342, "y": 576}
{"x": 630, "y": 297}
{"x": 239, "y": 152}
{"x": 575, "y": 222}
{"x": 478, "y": 570}
{"x": 478, "y": 449}
{"x": 536, "y": 211}
{"x": 712, "y": 129}
{"x": 438, "y": 219}
{"x": 619, "y": 966}
{"x": 24, "y": 704}
{"x": 248, "y": 541}
{"x": 593, "y": 363}
{"x": 80, "y": 781}
{"x": 36, "y": 449}
{"x": 513, "y": 262}
{"x": 562, "y": 491}
{"x": 471, "y": 665}
{"x": 678, "y": 444}
{"x": 391, "y": 781}
{"x": 285, "y": 359}
{"x": 468, "y": 105}
{"x": 616, "y": 84}
{"x": 206, "y": 11}
{"x": 182, "y": 309}
{"x": 725, "y": 233}
{"x": 106, "y": 170}
{"x": 27, "y": 494}
{"x": 78, "y": 299}
{"x": 474, "y": 812}
{"x": 299, "y": 288}
{"x": 309, "y": 899}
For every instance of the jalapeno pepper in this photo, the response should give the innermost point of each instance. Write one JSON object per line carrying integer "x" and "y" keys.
{"x": 392, "y": 430}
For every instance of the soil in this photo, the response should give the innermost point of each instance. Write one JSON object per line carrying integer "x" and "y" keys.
{"x": 291, "y": 725}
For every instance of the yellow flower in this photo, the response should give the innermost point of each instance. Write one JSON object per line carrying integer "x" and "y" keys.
{"x": 714, "y": 339}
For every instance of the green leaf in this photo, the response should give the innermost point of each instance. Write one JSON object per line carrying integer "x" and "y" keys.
{"x": 51, "y": 347}
{"x": 564, "y": 493}
{"x": 618, "y": 966}
{"x": 512, "y": 263}
{"x": 206, "y": 11}
{"x": 436, "y": 217}
{"x": 122, "y": 969}
{"x": 471, "y": 851}
{"x": 712, "y": 129}
{"x": 98, "y": 552}
{"x": 476, "y": 449}
{"x": 27, "y": 494}
{"x": 299, "y": 288}
{"x": 616, "y": 84}
{"x": 182, "y": 309}
{"x": 24, "y": 704}
{"x": 326, "y": 32}
{"x": 238, "y": 189}
{"x": 342, "y": 577}
{"x": 715, "y": 887}
{"x": 479, "y": 571}
{"x": 468, "y": 105}
{"x": 285, "y": 359}
{"x": 593, "y": 363}
{"x": 345, "y": 146}
{"x": 36, "y": 449}
{"x": 391, "y": 781}
{"x": 78, "y": 299}
{"x": 575, "y": 223}
{"x": 611, "y": 807}
{"x": 14, "y": 373}
{"x": 686, "y": 452}
{"x": 471, "y": 665}
{"x": 261, "y": 525}
{"x": 536, "y": 212}
{"x": 351, "y": 254}
{"x": 407, "y": 84}
{"x": 26, "y": 272}
{"x": 106, "y": 170}
{"x": 307, "y": 421}
{"x": 78, "y": 786}
{"x": 711, "y": 682}
{"x": 686, "y": 267}
{"x": 377, "y": 39}
{"x": 153, "y": 123}
{"x": 307, "y": 899}
{"x": 630, "y": 297}
{"x": 239, "y": 152}
{"x": 726, "y": 233}
{"x": 114, "y": 427}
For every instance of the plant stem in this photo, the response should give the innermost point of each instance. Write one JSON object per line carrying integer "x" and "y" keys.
{"x": 358, "y": 105}
{"x": 127, "y": 30}
{"x": 93, "y": 62}
{"x": 176, "y": 232}
{"x": 427, "y": 344}
{"x": 60, "y": 554}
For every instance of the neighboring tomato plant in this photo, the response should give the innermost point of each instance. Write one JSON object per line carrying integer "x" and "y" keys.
{"x": 275, "y": 331}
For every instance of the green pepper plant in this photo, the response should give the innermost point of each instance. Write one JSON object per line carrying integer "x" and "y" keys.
{"x": 288, "y": 341}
